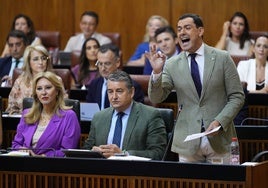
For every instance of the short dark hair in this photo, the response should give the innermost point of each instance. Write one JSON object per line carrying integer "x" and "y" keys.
{"x": 119, "y": 75}
{"x": 92, "y": 14}
{"x": 197, "y": 19}
{"x": 105, "y": 47}
{"x": 18, "y": 34}
{"x": 166, "y": 29}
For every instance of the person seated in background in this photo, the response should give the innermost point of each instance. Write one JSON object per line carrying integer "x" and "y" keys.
{"x": 17, "y": 42}
{"x": 120, "y": 127}
{"x": 25, "y": 24}
{"x": 86, "y": 70}
{"x": 36, "y": 59}
{"x": 166, "y": 41}
{"x": 48, "y": 126}
{"x": 254, "y": 72}
{"x": 88, "y": 24}
{"x": 108, "y": 62}
{"x": 235, "y": 37}
{"x": 154, "y": 22}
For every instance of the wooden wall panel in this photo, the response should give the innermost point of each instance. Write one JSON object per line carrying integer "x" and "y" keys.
{"x": 129, "y": 17}
{"x": 126, "y": 17}
{"x": 46, "y": 15}
{"x": 215, "y": 13}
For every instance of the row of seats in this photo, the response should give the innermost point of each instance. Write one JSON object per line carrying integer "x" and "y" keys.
{"x": 51, "y": 39}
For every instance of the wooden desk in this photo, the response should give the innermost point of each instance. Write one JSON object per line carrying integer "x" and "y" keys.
{"x": 97, "y": 173}
{"x": 252, "y": 139}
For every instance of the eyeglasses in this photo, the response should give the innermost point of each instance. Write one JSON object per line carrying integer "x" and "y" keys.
{"x": 105, "y": 64}
{"x": 42, "y": 58}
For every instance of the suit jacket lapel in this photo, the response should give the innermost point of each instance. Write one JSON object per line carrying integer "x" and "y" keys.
{"x": 210, "y": 58}
{"x": 134, "y": 115}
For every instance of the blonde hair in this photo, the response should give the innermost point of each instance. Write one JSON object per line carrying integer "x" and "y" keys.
{"x": 35, "y": 112}
{"x": 164, "y": 22}
{"x": 27, "y": 74}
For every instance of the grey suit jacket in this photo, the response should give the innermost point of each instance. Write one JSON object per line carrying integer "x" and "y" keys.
{"x": 145, "y": 134}
{"x": 221, "y": 99}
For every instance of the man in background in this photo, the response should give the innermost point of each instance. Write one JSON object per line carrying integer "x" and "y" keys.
{"x": 166, "y": 41}
{"x": 108, "y": 62}
{"x": 88, "y": 24}
{"x": 17, "y": 42}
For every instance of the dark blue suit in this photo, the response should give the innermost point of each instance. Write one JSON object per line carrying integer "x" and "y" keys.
{"x": 5, "y": 66}
{"x": 95, "y": 88}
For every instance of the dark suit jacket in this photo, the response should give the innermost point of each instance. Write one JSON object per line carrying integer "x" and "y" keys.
{"x": 5, "y": 65}
{"x": 145, "y": 134}
{"x": 95, "y": 87}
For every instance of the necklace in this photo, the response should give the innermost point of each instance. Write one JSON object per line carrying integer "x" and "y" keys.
{"x": 44, "y": 119}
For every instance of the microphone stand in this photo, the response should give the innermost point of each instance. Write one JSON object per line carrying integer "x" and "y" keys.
{"x": 170, "y": 135}
{"x": 254, "y": 119}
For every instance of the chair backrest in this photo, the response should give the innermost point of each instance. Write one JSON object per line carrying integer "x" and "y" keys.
{"x": 255, "y": 34}
{"x": 65, "y": 75}
{"x": 143, "y": 80}
{"x": 168, "y": 117}
{"x": 237, "y": 58}
{"x": 28, "y": 102}
{"x": 115, "y": 37}
{"x": 50, "y": 39}
{"x": 75, "y": 58}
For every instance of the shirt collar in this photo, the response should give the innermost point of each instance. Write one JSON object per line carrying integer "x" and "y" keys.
{"x": 200, "y": 51}
{"x": 127, "y": 111}
{"x": 14, "y": 60}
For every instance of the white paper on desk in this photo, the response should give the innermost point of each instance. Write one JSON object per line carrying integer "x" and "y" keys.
{"x": 129, "y": 158}
{"x": 199, "y": 135}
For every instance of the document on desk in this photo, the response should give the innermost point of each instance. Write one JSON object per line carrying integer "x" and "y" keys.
{"x": 199, "y": 135}
{"x": 129, "y": 158}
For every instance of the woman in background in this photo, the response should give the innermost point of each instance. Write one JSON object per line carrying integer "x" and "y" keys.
{"x": 36, "y": 59}
{"x": 48, "y": 126}
{"x": 23, "y": 23}
{"x": 154, "y": 22}
{"x": 235, "y": 37}
{"x": 86, "y": 70}
{"x": 254, "y": 72}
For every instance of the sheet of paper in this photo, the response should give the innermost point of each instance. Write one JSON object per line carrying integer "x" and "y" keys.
{"x": 129, "y": 158}
{"x": 199, "y": 135}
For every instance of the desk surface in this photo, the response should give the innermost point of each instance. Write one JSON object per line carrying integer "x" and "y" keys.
{"x": 121, "y": 167}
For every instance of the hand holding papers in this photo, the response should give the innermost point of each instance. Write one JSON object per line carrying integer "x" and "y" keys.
{"x": 199, "y": 135}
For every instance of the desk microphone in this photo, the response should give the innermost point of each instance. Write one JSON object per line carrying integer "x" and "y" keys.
{"x": 252, "y": 118}
{"x": 170, "y": 135}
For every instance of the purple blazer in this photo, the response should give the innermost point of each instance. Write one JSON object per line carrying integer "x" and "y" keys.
{"x": 63, "y": 132}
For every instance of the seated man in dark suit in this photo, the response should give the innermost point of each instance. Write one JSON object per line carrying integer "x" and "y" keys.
{"x": 127, "y": 125}
{"x": 17, "y": 42}
{"x": 108, "y": 62}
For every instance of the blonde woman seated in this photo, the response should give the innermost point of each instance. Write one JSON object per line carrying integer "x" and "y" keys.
{"x": 36, "y": 59}
{"x": 254, "y": 72}
{"x": 49, "y": 123}
{"x": 153, "y": 23}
